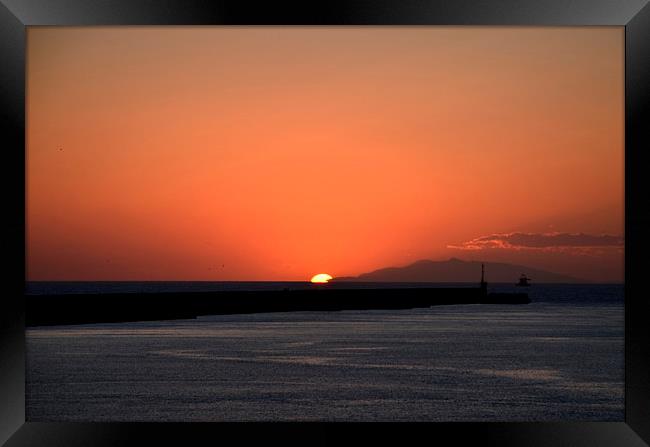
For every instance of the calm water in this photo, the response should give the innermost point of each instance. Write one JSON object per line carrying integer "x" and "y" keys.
{"x": 558, "y": 358}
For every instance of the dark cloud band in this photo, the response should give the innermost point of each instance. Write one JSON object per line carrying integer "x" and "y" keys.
{"x": 543, "y": 241}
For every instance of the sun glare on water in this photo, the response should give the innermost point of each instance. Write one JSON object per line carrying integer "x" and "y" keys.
{"x": 321, "y": 278}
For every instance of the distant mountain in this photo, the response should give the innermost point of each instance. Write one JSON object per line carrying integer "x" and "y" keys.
{"x": 456, "y": 270}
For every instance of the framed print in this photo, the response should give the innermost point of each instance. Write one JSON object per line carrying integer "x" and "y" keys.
{"x": 367, "y": 218}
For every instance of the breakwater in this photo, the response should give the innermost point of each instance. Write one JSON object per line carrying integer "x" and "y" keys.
{"x": 45, "y": 310}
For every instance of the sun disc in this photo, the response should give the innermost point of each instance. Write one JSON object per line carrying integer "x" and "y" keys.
{"x": 321, "y": 278}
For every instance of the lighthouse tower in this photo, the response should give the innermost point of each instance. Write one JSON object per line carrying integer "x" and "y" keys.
{"x": 483, "y": 283}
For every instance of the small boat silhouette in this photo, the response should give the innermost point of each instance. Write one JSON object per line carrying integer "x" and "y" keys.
{"x": 524, "y": 281}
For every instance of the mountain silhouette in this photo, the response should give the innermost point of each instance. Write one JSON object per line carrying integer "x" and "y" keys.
{"x": 457, "y": 270}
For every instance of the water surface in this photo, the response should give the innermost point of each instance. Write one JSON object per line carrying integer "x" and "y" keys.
{"x": 558, "y": 358}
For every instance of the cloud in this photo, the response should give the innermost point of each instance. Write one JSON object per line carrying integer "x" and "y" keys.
{"x": 577, "y": 242}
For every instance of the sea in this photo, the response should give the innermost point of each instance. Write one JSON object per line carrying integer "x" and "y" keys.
{"x": 559, "y": 358}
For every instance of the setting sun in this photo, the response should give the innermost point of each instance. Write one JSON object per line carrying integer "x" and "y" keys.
{"x": 321, "y": 278}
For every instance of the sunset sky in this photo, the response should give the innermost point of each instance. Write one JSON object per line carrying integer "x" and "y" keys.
{"x": 273, "y": 153}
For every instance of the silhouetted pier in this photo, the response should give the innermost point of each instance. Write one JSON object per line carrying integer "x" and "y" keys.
{"x": 43, "y": 310}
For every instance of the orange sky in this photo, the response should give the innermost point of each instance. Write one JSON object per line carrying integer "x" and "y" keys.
{"x": 272, "y": 153}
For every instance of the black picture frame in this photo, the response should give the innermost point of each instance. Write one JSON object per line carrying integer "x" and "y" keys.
{"x": 16, "y": 15}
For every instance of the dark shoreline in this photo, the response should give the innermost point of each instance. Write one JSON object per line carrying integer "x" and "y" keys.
{"x": 49, "y": 310}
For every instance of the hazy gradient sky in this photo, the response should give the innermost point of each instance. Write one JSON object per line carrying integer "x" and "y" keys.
{"x": 275, "y": 153}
